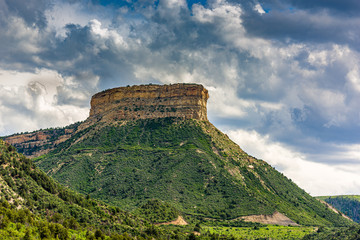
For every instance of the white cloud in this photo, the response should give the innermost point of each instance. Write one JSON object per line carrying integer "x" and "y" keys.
{"x": 227, "y": 21}
{"x": 21, "y": 37}
{"x": 354, "y": 77}
{"x": 28, "y": 102}
{"x": 225, "y": 103}
{"x": 316, "y": 178}
{"x": 63, "y": 13}
{"x": 259, "y": 8}
{"x": 103, "y": 35}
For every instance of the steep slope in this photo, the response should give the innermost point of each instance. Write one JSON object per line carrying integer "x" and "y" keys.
{"x": 187, "y": 163}
{"x": 37, "y": 203}
{"x": 348, "y": 204}
{"x": 154, "y": 142}
{"x": 37, "y": 143}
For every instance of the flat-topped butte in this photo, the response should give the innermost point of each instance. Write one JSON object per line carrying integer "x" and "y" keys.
{"x": 186, "y": 101}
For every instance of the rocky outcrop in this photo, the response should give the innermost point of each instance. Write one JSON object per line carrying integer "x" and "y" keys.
{"x": 39, "y": 142}
{"x": 186, "y": 101}
{"x": 276, "y": 219}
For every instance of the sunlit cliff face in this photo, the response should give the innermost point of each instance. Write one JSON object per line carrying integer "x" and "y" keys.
{"x": 186, "y": 101}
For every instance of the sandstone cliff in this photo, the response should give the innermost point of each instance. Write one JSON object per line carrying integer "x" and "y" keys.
{"x": 39, "y": 142}
{"x": 186, "y": 101}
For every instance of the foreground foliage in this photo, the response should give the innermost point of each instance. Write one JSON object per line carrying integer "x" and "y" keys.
{"x": 34, "y": 204}
{"x": 157, "y": 211}
{"x": 265, "y": 232}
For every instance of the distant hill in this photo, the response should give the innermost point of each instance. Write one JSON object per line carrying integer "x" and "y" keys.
{"x": 344, "y": 233}
{"x": 348, "y": 204}
{"x": 154, "y": 142}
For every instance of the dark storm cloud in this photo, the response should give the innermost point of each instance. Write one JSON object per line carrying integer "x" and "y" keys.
{"x": 304, "y": 26}
{"x": 347, "y": 8}
{"x": 32, "y": 11}
{"x": 76, "y": 42}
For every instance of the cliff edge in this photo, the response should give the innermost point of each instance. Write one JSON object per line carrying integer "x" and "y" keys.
{"x": 186, "y": 101}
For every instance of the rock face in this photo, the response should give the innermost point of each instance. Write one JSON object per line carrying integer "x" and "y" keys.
{"x": 39, "y": 142}
{"x": 186, "y": 101}
{"x": 275, "y": 218}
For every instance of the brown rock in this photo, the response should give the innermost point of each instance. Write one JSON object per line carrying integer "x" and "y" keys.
{"x": 186, "y": 101}
{"x": 275, "y": 218}
{"x": 37, "y": 143}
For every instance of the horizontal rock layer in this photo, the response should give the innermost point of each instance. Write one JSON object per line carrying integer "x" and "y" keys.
{"x": 40, "y": 142}
{"x": 186, "y": 101}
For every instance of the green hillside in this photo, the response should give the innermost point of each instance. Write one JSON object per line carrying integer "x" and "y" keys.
{"x": 187, "y": 163}
{"x": 33, "y": 206}
{"x": 344, "y": 233}
{"x": 348, "y": 204}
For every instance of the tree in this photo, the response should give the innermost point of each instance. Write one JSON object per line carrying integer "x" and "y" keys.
{"x": 99, "y": 234}
{"x": 27, "y": 235}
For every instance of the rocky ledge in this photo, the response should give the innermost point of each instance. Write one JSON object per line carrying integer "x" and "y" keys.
{"x": 186, "y": 101}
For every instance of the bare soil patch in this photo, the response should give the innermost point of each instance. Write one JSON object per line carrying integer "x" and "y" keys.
{"x": 275, "y": 218}
{"x": 179, "y": 221}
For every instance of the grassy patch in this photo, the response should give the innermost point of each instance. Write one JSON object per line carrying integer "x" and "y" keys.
{"x": 267, "y": 232}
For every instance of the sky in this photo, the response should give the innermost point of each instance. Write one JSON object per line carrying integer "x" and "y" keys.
{"x": 283, "y": 75}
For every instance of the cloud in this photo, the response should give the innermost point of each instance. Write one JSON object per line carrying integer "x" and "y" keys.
{"x": 30, "y": 101}
{"x": 347, "y": 7}
{"x": 288, "y": 24}
{"x": 318, "y": 179}
{"x": 32, "y": 12}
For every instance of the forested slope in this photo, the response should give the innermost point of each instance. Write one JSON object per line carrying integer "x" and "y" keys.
{"x": 187, "y": 163}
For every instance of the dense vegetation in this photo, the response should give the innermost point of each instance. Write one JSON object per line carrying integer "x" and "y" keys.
{"x": 157, "y": 211}
{"x": 349, "y": 233}
{"x": 34, "y": 205}
{"x": 265, "y": 232}
{"x": 22, "y": 224}
{"x": 348, "y": 204}
{"x": 186, "y": 163}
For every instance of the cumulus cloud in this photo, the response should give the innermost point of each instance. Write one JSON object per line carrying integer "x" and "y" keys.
{"x": 32, "y": 12}
{"x": 30, "y": 101}
{"x": 316, "y": 178}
